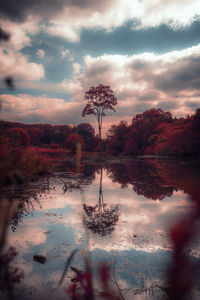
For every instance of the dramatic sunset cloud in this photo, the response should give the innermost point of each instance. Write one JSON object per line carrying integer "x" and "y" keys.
{"x": 148, "y": 52}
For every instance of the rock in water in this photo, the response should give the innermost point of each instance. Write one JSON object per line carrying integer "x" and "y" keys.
{"x": 40, "y": 258}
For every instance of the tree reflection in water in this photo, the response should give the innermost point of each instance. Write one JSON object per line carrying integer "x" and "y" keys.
{"x": 28, "y": 200}
{"x": 99, "y": 218}
{"x": 9, "y": 275}
{"x": 74, "y": 180}
{"x": 143, "y": 177}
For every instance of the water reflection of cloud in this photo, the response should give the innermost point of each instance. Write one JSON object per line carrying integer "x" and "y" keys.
{"x": 53, "y": 201}
{"x": 27, "y": 236}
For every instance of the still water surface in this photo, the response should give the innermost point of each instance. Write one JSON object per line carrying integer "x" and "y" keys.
{"x": 119, "y": 213}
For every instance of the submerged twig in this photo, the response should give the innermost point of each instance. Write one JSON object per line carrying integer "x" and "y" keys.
{"x": 115, "y": 280}
{"x": 67, "y": 266}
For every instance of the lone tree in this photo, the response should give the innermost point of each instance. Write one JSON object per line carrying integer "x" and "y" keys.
{"x": 99, "y": 99}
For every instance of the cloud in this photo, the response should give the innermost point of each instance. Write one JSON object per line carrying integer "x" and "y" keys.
{"x": 140, "y": 82}
{"x": 67, "y": 53}
{"x": 40, "y": 53}
{"x": 184, "y": 75}
{"x": 66, "y": 18}
{"x": 109, "y": 15}
{"x": 18, "y": 11}
{"x": 173, "y": 13}
{"x": 20, "y": 33}
{"x": 76, "y": 68}
{"x": 167, "y": 105}
{"x": 147, "y": 80}
{"x": 29, "y": 109}
{"x": 15, "y": 64}
{"x": 61, "y": 29}
{"x": 73, "y": 87}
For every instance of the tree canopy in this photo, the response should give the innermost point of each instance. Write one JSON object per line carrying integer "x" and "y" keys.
{"x": 99, "y": 99}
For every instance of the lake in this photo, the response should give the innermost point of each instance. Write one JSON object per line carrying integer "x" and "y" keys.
{"x": 136, "y": 217}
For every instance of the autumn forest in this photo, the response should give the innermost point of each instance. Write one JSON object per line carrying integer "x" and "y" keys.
{"x": 153, "y": 132}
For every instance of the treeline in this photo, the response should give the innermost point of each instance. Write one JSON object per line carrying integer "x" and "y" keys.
{"x": 156, "y": 132}
{"x": 153, "y": 132}
{"x": 26, "y": 151}
{"x": 52, "y": 136}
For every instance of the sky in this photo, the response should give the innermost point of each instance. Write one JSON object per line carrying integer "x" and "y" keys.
{"x": 148, "y": 51}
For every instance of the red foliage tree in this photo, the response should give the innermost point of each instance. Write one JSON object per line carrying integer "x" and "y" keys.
{"x": 36, "y": 135}
{"x": 99, "y": 99}
{"x": 86, "y": 131}
{"x": 18, "y": 137}
{"x": 117, "y": 136}
{"x": 142, "y": 127}
{"x": 61, "y": 132}
{"x": 72, "y": 141}
{"x": 196, "y": 133}
{"x": 3, "y": 146}
{"x": 175, "y": 139}
{"x": 144, "y": 179}
{"x": 48, "y": 137}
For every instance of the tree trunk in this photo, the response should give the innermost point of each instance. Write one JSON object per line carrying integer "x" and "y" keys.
{"x": 100, "y": 141}
{"x": 100, "y": 202}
